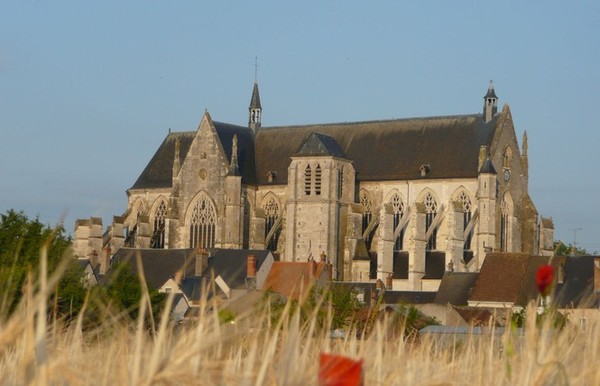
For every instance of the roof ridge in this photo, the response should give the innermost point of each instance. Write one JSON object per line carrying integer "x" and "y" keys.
{"x": 437, "y": 117}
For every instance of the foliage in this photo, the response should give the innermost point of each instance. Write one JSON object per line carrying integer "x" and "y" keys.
{"x": 226, "y": 315}
{"x": 557, "y": 319}
{"x": 21, "y": 240}
{"x": 341, "y": 299}
{"x": 124, "y": 290}
{"x": 562, "y": 249}
{"x": 411, "y": 319}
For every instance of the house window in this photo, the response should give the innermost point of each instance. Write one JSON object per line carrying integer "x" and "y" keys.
{"x": 398, "y": 207}
{"x": 271, "y": 216}
{"x": 431, "y": 208}
{"x": 318, "y": 180}
{"x": 307, "y": 180}
{"x": 158, "y": 233}
{"x": 203, "y": 223}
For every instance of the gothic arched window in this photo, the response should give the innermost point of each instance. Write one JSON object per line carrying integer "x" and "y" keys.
{"x": 271, "y": 216}
{"x": 431, "y": 208}
{"x": 307, "y": 180}
{"x": 467, "y": 214}
{"x": 318, "y": 180}
{"x": 505, "y": 212}
{"x": 158, "y": 231}
{"x": 367, "y": 215}
{"x": 203, "y": 223}
{"x": 398, "y": 207}
{"x": 341, "y": 183}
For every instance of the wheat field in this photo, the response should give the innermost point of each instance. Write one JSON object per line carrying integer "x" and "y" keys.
{"x": 254, "y": 350}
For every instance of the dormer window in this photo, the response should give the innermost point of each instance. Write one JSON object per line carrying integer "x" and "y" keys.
{"x": 424, "y": 170}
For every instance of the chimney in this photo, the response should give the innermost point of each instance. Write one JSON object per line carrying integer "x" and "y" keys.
{"x": 596, "y": 274}
{"x": 388, "y": 281}
{"x": 251, "y": 272}
{"x": 105, "y": 261}
{"x": 251, "y": 266}
{"x": 201, "y": 262}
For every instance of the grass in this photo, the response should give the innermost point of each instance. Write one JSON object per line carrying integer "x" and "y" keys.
{"x": 251, "y": 350}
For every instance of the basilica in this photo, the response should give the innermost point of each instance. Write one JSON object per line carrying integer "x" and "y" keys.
{"x": 403, "y": 200}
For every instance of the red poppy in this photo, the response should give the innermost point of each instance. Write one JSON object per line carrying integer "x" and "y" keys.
{"x": 337, "y": 370}
{"x": 544, "y": 277}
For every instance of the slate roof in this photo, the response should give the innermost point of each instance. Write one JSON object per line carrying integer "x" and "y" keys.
{"x": 455, "y": 288}
{"x": 231, "y": 265}
{"x": 192, "y": 287}
{"x": 159, "y": 264}
{"x": 487, "y": 168}
{"x": 159, "y": 171}
{"x": 380, "y": 150}
{"x": 255, "y": 100}
{"x": 508, "y": 277}
{"x": 320, "y": 145}
{"x": 577, "y": 289}
{"x": 361, "y": 252}
{"x": 386, "y": 150}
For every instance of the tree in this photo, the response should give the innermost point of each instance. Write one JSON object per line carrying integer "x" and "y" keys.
{"x": 124, "y": 290}
{"x": 21, "y": 240}
{"x": 562, "y": 249}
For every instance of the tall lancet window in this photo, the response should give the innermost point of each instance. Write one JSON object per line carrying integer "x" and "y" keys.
{"x": 431, "y": 208}
{"x": 366, "y": 217}
{"x": 467, "y": 214}
{"x": 203, "y": 223}
{"x": 307, "y": 180}
{"x": 158, "y": 232}
{"x": 398, "y": 207}
{"x": 318, "y": 180}
{"x": 341, "y": 183}
{"x": 271, "y": 216}
{"x": 505, "y": 211}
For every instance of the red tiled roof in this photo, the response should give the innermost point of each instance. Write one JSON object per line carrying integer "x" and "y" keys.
{"x": 294, "y": 279}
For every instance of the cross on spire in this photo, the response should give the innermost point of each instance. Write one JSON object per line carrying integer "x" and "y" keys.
{"x": 255, "y": 69}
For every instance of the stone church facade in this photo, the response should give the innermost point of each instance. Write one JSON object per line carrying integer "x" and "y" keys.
{"x": 402, "y": 200}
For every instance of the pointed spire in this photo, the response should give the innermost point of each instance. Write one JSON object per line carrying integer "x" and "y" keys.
{"x": 233, "y": 165}
{"x": 488, "y": 167}
{"x": 490, "y": 103}
{"x": 176, "y": 158}
{"x": 255, "y": 109}
{"x": 525, "y": 144}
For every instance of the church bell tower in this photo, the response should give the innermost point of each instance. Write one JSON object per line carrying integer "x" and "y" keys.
{"x": 490, "y": 104}
{"x": 255, "y": 110}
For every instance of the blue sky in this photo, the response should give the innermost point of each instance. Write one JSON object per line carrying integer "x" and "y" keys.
{"x": 89, "y": 90}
